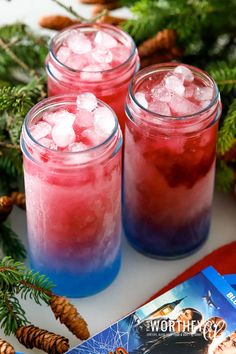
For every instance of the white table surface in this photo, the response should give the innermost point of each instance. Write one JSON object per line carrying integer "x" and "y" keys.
{"x": 139, "y": 276}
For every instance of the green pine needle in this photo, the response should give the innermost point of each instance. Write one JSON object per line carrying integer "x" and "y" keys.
{"x": 224, "y": 177}
{"x": 225, "y": 77}
{"x": 12, "y": 315}
{"x": 227, "y": 132}
{"x": 10, "y": 243}
{"x": 17, "y": 282}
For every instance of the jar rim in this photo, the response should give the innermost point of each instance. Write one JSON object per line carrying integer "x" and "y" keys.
{"x": 159, "y": 67}
{"x": 57, "y": 101}
{"x": 92, "y": 25}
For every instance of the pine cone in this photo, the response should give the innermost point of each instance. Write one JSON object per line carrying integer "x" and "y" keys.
{"x": 18, "y": 199}
{"x": 94, "y": 2}
{"x": 97, "y": 9}
{"x": 6, "y": 205}
{"x": 34, "y": 337}
{"x": 159, "y": 57}
{"x": 165, "y": 39}
{"x": 57, "y": 22}
{"x": 6, "y": 348}
{"x": 111, "y": 20}
{"x": 69, "y": 316}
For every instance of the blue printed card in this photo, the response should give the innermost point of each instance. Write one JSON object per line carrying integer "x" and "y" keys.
{"x": 196, "y": 317}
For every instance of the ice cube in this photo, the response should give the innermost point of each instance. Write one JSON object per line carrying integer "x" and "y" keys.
{"x": 63, "y": 134}
{"x": 76, "y": 61}
{"x": 63, "y": 54}
{"x": 102, "y": 55}
{"x": 59, "y": 116}
{"x": 48, "y": 143}
{"x": 203, "y": 93}
{"x": 140, "y": 97}
{"x": 104, "y": 121}
{"x": 91, "y": 138}
{"x": 161, "y": 93}
{"x": 185, "y": 73}
{"x": 86, "y": 100}
{"x": 92, "y": 72}
{"x": 104, "y": 39}
{"x": 78, "y": 42}
{"x": 40, "y": 130}
{"x": 75, "y": 147}
{"x": 174, "y": 84}
{"x": 160, "y": 108}
{"x": 120, "y": 54}
{"x": 84, "y": 120}
{"x": 189, "y": 91}
{"x": 180, "y": 106}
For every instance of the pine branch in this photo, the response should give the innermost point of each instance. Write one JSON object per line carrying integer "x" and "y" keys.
{"x": 224, "y": 177}
{"x": 10, "y": 243}
{"x": 10, "y": 273}
{"x": 12, "y": 315}
{"x": 225, "y": 76}
{"x": 13, "y": 56}
{"x": 70, "y": 10}
{"x": 227, "y": 132}
{"x": 35, "y": 286}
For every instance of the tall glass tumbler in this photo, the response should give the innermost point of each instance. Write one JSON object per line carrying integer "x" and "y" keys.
{"x": 96, "y": 58}
{"x": 73, "y": 198}
{"x": 171, "y": 130}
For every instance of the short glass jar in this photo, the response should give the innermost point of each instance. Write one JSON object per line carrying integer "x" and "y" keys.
{"x": 109, "y": 85}
{"x": 169, "y": 169}
{"x": 73, "y": 206}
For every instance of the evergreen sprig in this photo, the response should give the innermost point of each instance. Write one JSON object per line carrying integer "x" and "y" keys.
{"x": 35, "y": 286}
{"x": 16, "y": 281}
{"x": 10, "y": 242}
{"x": 12, "y": 315}
{"x": 224, "y": 177}
{"x": 227, "y": 132}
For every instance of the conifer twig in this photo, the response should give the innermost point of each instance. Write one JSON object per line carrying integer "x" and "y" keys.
{"x": 70, "y": 10}
{"x": 13, "y": 56}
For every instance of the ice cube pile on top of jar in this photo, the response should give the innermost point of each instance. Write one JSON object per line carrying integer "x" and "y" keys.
{"x": 178, "y": 93}
{"x": 89, "y": 125}
{"x": 92, "y": 51}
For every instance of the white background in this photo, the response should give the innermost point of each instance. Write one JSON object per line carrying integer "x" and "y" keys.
{"x": 140, "y": 276}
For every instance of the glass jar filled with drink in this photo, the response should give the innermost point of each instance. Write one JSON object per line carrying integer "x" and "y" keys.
{"x": 72, "y": 168}
{"x": 171, "y": 129}
{"x": 98, "y": 58}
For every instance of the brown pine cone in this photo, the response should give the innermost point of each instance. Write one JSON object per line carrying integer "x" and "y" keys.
{"x": 94, "y": 2}
{"x": 6, "y": 205}
{"x": 18, "y": 199}
{"x": 34, "y": 337}
{"x": 159, "y": 57}
{"x": 69, "y": 316}
{"x": 97, "y": 9}
{"x": 57, "y": 22}
{"x": 111, "y": 20}
{"x": 6, "y": 348}
{"x": 163, "y": 40}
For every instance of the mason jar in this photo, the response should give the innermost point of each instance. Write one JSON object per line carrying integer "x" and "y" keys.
{"x": 73, "y": 205}
{"x": 108, "y": 81}
{"x": 169, "y": 163}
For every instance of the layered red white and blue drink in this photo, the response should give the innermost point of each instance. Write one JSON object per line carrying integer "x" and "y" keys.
{"x": 171, "y": 127}
{"x": 72, "y": 167}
